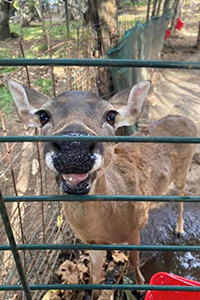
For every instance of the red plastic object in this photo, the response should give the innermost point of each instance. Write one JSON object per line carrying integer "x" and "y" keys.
{"x": 163, "y": 278}
{"x": 167, "y": 34}
{"x": 179, "y": 24}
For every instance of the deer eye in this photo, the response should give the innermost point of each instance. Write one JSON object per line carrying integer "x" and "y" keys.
{"x": 43, "y": 117}
{"x": 110, "y": 117}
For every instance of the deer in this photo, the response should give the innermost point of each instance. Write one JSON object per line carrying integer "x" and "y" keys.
{"x": 100, "y": 168}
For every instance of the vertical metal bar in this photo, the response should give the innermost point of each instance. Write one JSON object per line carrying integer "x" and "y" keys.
{"x": 13, "y": 246}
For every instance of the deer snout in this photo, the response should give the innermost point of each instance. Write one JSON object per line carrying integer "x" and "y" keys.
{"x": 75, "y": 162}
{"x": 74, "y": 156}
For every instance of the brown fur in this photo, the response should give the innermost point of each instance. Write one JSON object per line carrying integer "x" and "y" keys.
{"x": 136, "y": 169}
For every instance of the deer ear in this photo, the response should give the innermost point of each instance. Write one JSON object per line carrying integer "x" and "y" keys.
{"x": 129, "y": 112}
{"x": 27, "y": 102}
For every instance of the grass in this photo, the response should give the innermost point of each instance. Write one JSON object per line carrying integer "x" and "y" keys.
{"x": 6, "y": 101}
{"x": 56, "y": 30}
{"x": 32, "y": 32}
{"x": 6, "y": 70}
{"x": 4, "y": 53}
{"x": 57, "y": 33}
{"x": 44, "y": 85}
{"x": 142, "y": 3}
{"x": 128, "y": 4}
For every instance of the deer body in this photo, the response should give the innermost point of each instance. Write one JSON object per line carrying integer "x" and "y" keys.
{"x": 136, "y": 169}
{"x": 108, "y": 168}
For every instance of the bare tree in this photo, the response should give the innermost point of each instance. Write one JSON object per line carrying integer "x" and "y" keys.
{"x": 154, "y": 7}
{"x": 5, "y": 8}
{"x": 177, "y": 5}
{"x": 103, "y": 15}
{"x": 166, "y": 7}
{"x": 27, "y": 13}
{"x": 148, "y": 9}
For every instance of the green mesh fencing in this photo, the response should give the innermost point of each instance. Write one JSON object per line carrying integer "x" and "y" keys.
{"x": 142, "y": 42}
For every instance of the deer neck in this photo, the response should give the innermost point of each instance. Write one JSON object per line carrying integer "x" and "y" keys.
{"x": 101, "y": 186}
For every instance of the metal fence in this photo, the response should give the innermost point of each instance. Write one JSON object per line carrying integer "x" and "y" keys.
{"x": 136, "y": 139}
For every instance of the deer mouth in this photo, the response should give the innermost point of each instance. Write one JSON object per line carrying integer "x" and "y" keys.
{"x": 75, "y": 176}
{"x": 76, "y": 184}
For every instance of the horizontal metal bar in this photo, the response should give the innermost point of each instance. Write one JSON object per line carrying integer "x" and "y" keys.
{"x": 100, "y": 63}
{"x": 129, "y": 139}
{"x": 70, "y": 198}
{"x": 101, "y": 247}
{"x": 102, "y": 287}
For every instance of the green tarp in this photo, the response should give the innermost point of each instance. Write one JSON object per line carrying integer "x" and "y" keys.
{"x": 143, "y": 42}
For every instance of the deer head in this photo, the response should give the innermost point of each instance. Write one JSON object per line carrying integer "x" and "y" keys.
{"x": 78, "y": 164}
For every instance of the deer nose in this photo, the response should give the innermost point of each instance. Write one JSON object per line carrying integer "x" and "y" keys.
{"x": 74, "y": 156}
{"x": 64, "y": 146}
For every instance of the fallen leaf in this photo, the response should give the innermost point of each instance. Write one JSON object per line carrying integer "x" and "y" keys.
{"x": 110, "y": 268}
{"x": 129, "y": 295}
{"x": 35, "y": 167}
{"x": 119, "y": 257}
{"x": 73, "y": 295}
{"x": 85, "y": 257}
{"x": 72, "y": 273}
{"x": 83, "y": 271}
{"x": 52, "y": 295}
{"x": 106, "y": 295}
{"x": 59, "y": 220}
{"x": 82, "y": 268}
{"x": 68, "y": 273}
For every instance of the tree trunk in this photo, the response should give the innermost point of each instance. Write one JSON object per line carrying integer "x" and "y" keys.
{"x": 166, "y": 7}
{"x": 159, "y": 6}
{"x": 5, "y": 7}
{"x": 24, "y": 21}
{"x": 198, "y": 39}
{"x": 43, "y": 17}
{"x": 176, "y": 13}
{"x": 148, "y": 10}
{"x": 154, "y": 7}
{"x": 103, "y": 16}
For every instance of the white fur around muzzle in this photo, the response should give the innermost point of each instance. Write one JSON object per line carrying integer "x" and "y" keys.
{"x": 50, "y": 164}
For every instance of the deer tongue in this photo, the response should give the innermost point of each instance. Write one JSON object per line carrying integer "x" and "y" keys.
{"x": 74, "y": 179}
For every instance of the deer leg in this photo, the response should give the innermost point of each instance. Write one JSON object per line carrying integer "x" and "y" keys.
{"x": 179, "y": 224}
{"x": 180, "y": 183}
{"x": 134, "y": 259}
{"x": 96, "y": 260}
